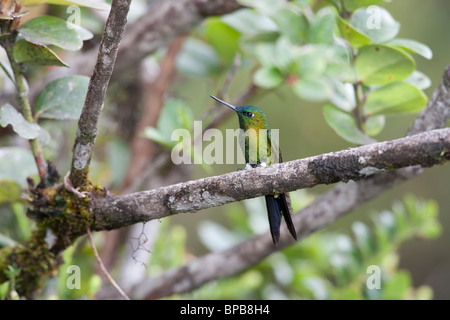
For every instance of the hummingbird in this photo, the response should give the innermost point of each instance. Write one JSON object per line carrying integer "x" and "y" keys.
{"x": 251, "y": 117}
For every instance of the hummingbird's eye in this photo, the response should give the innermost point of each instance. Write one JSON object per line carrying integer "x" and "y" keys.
{"x": 249, "y": 114}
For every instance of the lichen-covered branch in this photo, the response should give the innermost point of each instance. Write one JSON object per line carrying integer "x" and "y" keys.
{"x": 88, "y": 122}
{"x": 324, "y": 210}
{"x": 425, "y": 149}
{"x": 437, "y": 112}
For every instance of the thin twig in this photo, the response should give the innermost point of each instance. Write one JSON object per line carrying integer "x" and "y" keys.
{"x": 88, "y": 122}
{"x": 68, "y": 185}
{"x": 226, "y": 84}
{"x": 142, "y": 148}
{"x": 155, "y": 165}
{"x": 100, "y": 262}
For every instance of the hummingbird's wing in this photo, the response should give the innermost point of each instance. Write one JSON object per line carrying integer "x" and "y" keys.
{"x": 273, "y": 149}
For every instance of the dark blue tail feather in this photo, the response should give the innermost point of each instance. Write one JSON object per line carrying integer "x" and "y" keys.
{"x": 277, "y": 206}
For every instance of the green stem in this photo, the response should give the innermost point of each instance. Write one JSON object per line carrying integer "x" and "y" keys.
{"x": 358, "y": 112}
{"x": 24, "y": 103}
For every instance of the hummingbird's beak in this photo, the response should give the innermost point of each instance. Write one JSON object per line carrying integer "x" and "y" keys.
{"x": 225, "y": 103}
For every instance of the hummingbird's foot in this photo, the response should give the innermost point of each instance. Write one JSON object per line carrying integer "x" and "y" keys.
{"x": 248, "y": 166}
{"x": 262, "y": 164}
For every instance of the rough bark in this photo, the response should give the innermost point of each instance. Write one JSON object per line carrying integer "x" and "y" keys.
{"x": 88, "y": 122}
{"x": 425, "y": 149}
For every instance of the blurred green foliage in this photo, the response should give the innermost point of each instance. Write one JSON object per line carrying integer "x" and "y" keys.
{"x": 340, "y": 52}
{"x": 330, "y": 265}
{"x": 344, "y": 54}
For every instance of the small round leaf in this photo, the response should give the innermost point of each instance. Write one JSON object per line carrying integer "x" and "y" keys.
{"x": 382, "y": 64}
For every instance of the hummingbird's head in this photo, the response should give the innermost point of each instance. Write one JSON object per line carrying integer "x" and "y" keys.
{"x": 250, "y": 117}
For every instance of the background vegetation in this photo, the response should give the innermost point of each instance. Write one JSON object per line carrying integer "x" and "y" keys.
{"x": 290, "y": 65}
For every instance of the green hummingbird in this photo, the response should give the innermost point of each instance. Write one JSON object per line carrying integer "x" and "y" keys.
{"x": 253, "y": 121}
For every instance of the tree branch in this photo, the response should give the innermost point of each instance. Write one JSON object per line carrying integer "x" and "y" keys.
{"x": 88, "y": 123}
{"x": 425, "y": 149}
{"x": 437, "y": 112}
{"x": 324, "y": 210}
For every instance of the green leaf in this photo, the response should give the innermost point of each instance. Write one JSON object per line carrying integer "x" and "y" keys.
{"x": 22, "y": 221}
{"x": 8, "y": 71}
{"x": 248, "y": 43}
{"x": 197, "y": 58}
{"x": 118, "y": 155}
{"x": 10, "y": 191}
{"x": 343, "y": 95}
{"x": 312, "y": 89}
{"x": 47, "y": 30}
{"x": 174, "y": 115}
{"x": 397, "y": 97}
{"x": 353, "y": 36}
{"x": 222, "y": 37}
{"x": 321, "y": 28}
{"x": 265, "y": 53}
{"x": 355, "y": 4}
{"x": 268, "y": 78}
{"x": 412, "y": 46}
{"x": 99, "y": 5}
{"x": 376, "y": 23}
{"x": 418, "y": 79}
{"x": 17, "y": 165}
{"x": 25, "y": 129}
{"x": 312, "y": 61}
{"x": 249, "y": 22}
{"x": 291, "y": 24}
{"x": 398, "y": 286}
{"x": 63, "y": 98}
{"x": 266, "y": 7}
{"x": 285, "y": 55}
{"x": 364, "y": 238}
{"x": 83, "y": 33}
{"x": 374, "y": 125}
{"x": 34, "y": 54}
{"x": 382, "y": 64}
{"x": 156, "y": 135}
{"x": 343, "y": 124}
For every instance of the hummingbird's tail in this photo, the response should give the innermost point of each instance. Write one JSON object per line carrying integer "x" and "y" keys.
{"x": 277, "y": 206}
